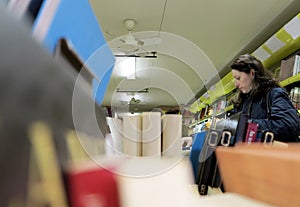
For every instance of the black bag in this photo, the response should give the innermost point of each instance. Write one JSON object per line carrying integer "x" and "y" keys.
{"x": 223, "y": 133}
{"x": 226, "y": 132}
{"x": 207, "y": 160}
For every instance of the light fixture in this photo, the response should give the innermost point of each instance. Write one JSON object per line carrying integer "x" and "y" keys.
{"x": 151, "y": 54}
{"x": 146, "y": 90}
{"x": 126, "y": 66}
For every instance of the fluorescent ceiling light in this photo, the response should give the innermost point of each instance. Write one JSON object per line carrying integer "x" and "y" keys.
{"x": 146, "y": 90}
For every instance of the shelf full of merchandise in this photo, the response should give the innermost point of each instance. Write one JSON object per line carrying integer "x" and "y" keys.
{"x": 283, "y": 43}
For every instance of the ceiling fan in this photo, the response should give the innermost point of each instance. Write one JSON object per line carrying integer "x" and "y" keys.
{"x": 132, "y": 101}
{"x": 129, "y": 45}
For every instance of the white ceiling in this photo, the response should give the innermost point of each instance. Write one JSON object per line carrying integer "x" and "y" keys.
{"x": 199, "y": 39}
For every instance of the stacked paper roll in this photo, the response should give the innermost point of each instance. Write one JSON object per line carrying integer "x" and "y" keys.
{"x": 116, "y": 129}
{"x": 132, "y": 135}
{"x": 171, "y": 134}
{"x": 109, "y": 145}
{"x": 151, "y": 134}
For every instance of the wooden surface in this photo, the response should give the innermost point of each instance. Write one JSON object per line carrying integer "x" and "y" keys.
{"x": 262, "y": 172}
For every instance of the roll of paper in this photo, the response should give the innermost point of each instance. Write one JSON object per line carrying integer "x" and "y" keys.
{"x": 151, "y": 134}
{"x": 132, "y": 135}
{"x": 116, "y": 129}
{"x": 171, "y": 134}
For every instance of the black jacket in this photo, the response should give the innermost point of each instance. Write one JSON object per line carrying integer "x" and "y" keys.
{"x": 283, "y": 119}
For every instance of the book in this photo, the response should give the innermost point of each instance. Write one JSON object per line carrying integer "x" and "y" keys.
{"x": 52, "y": 189}
{"x": 296, "y": 68}
{"x": 289, "y": 67}
{"x": 92, "y": 185}
{"x": 251, "y": 132}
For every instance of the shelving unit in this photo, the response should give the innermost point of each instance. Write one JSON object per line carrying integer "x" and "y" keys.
{"x": 290, "y": 80}
{"x": 282, "y": 44}
{"x": 200, "y": 121}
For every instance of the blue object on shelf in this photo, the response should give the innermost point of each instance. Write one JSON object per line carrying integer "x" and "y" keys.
{"x": 76, "y": 22}
{"x": 197, "y": 146}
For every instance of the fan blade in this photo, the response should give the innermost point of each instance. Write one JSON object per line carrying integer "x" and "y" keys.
{"x": 137, "y": 101}
{"x": 151, "y": 41}
{"x": 129, "y": 45}
{"x": 111, "y": 34}
{"x": 124, "y": 103}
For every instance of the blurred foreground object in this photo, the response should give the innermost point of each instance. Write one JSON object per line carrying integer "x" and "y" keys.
{"x": 34, "y": 87}
{"x": 263, "y": 172}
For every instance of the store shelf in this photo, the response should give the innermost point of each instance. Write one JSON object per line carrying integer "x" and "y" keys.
{"x": 283, "y": 43}
{"x": 200, "y": 121}
{"x": 290, "y": 80}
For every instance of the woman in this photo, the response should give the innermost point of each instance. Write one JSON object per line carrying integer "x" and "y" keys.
{"x": 256, "y": 85}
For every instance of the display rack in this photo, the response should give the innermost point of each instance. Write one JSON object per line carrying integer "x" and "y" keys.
{"x": 282, "y": 44}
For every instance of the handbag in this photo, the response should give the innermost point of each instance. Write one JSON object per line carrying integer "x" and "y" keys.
{"x": 226, "y": 132}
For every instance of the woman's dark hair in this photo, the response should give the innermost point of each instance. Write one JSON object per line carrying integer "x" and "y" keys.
{"x": 263, "y": 79}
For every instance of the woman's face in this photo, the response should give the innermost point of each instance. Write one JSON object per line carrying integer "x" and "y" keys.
{"x": 243, "y": 81}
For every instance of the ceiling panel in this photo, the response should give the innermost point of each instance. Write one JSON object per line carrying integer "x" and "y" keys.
{"x": 199, "y": 39}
